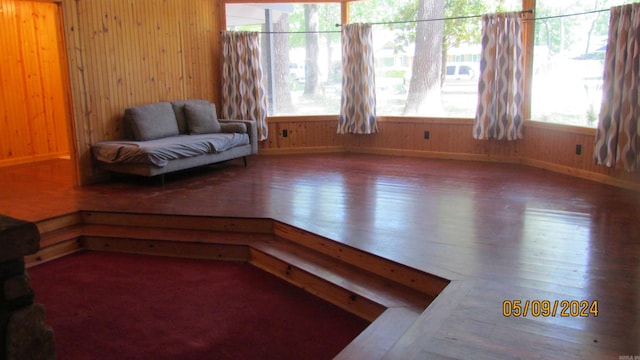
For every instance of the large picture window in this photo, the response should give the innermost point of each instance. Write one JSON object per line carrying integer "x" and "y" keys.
{"x": 427, "y": 68}
{"x": 568, "y": 60}
{"x": 301, "y": 54}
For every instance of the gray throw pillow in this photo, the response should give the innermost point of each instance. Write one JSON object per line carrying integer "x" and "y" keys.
{"x": 201, "y": 118}
{"x": 152, "y": 121}
{"x": 178, "y": 110}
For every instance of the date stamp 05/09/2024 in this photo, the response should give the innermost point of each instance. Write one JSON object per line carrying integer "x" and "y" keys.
{"x": 550, "y": 308}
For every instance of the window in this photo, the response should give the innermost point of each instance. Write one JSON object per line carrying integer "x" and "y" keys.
{"x": 301, "y": 54}
{"x": 446, "y": 84}
{"x": 568, "y": 60}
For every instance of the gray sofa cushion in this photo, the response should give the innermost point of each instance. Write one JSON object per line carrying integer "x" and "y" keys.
{"x": 152, "y": 121}
{"x": 178, "y": 109}
{"x": 240, "y": 128}
{"x": 201, "y": 118}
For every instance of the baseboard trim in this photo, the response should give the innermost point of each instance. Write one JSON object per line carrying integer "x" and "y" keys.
{"x": 434, "y": 155}
{"x": 583, "y": 174}
{"x": 32, "y": 159}
{"x": 561, "y": 169}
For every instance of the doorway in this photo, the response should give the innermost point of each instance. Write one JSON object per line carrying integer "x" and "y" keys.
{"x": 34, "y": 110}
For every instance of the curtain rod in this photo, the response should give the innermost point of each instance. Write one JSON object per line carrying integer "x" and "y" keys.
{"x": 379, "y": 23}
{"x": 530, "y": 11}
{"x": 567, "y": 15}
{"x": 437, "y": 19}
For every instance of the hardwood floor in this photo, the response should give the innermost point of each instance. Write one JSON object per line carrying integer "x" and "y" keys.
{"x": 497, "y": 231}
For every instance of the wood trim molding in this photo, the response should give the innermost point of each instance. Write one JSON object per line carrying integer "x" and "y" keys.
{"x": 434, "y": 154}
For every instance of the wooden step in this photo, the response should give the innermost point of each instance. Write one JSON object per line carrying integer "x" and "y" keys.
{"x": 360, "y": 292}
{"x": 201, "y": 244}
{"x": 395, "y": 272}
{"x": 58, "y": 237}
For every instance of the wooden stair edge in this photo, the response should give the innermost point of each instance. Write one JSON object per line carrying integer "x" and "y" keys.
{"x": 58, "y": 237}
{"x": 177, "y": 235}
{"x": 55, "y": 236}
{"x": 53, "y": 252}
{"x": 360, "y": 306}
{"x": 345, "y": 275}
{"x": 381, "y": 335}
{"x": 179, "y": 222}
{"x": 171, "y": 248}
{"x": 59, "y": 222}
{"x": 422, "y": 281}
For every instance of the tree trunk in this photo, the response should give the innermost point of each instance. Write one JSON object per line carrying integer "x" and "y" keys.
{"x": 281, "y": 70}
{"x": 312, "y": 69}
{"x": 424, "y": 88}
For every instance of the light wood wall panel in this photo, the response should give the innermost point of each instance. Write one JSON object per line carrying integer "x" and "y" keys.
{"x": 553, "y": 147}
{"x": 547, "y": 146}
{"x": 33, "y": 112}
{"x": 311, "y": 134}
{"x": 130, "y": 52}
{"x": 447, "y": 139}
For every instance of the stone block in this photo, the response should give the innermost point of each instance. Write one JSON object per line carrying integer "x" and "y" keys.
{"x": 28, "y": 336}
{"x": 17, "y": 287}
{"x": 18, "y": 238}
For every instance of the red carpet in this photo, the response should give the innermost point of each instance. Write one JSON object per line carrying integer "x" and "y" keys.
{"x": 119, "y": 306}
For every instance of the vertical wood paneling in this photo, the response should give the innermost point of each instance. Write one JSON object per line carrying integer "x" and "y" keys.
{"x": 32, "y": 97}
{"x": 129, "y": 52}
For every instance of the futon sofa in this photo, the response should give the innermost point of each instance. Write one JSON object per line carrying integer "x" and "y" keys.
{"x": 169, "y": 136}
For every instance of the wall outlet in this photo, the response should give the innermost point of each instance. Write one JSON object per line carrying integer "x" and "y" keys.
{"x": 578, "y": 149}
{"x": 426, "y": 134}
{"x": 285, "y": 133}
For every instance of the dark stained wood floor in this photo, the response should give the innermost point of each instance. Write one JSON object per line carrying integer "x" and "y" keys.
{"x": 497, "y": 231}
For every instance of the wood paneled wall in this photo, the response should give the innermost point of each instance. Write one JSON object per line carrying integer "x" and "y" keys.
{"x": 33, "y": 103}
{"x": 131, "y": 52}
{"x": 546, "y": 146}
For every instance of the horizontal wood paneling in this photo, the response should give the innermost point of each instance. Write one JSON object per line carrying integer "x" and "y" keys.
{"x": 33, "y": 113}
{"x": 124, "y": 53}
{"x": 313, "y": 134}
{"x": 547, "y": 146}
{"x": 554, "y": 147}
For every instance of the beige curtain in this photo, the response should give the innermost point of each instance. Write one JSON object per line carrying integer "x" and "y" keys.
{"x": 501, "y": 84}
{"x": 243, "y": 95}
{"x": 358, "y": 105}
{"x": 617, "y": 133}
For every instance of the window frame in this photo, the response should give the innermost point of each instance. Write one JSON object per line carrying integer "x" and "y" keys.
{"x": 528, "y": 44}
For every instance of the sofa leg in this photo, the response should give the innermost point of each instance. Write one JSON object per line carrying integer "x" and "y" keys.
{"x": 244, "y": 158}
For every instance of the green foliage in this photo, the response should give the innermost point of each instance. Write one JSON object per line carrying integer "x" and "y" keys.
{"x": 399, "y": 73}
{"x": 562, "y": 33}
{"x": 403, "y": 14}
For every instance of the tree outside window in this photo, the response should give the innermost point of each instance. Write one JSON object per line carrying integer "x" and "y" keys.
{"x": 431, "y": 68}
{"x": 417, "y": 81}
{"x": 301, "y": 54}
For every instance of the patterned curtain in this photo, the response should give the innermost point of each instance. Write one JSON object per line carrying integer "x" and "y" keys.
{"x": 243, "y": 95}
{"x": 617, "y": 134}
{"x": 358, "y": 103}
{"x": 501, "y": 85}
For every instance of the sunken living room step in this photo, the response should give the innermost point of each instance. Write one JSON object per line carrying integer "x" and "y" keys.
{"x": 356, "y": 290}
